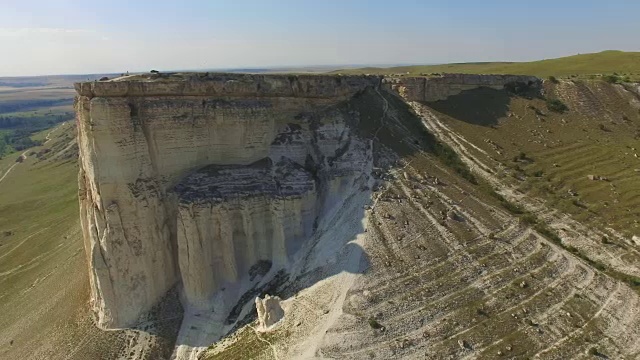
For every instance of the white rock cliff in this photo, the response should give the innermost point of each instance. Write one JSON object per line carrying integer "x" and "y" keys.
{"x": 269, "y": 311}
{"x": 201, "y": 180}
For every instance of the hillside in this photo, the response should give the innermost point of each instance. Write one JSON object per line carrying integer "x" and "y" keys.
{"x": 554, "y": 153}
{"x": 482, "y": 267}
{"x": 33, "y": 103}
{"x": 606, "y": 62}
{"x": 43, "y": 281}
{"x": 468, "y": 225}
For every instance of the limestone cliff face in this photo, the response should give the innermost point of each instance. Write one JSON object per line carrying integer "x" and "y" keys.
{"x": 441, "y": 87}
{"x": 231, "y": 218}
{"x": 195, "y": 179}
{"x": 139, "y": 141}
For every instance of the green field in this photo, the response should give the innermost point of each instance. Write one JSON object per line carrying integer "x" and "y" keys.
{"x": 606, "y": 62}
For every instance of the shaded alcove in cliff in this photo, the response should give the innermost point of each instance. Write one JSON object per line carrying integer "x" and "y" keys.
{"x": 237, "y": 221}
{"x": 330, "y": 250}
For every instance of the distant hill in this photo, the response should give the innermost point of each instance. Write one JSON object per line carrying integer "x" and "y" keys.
{"x": 606, "y": 62}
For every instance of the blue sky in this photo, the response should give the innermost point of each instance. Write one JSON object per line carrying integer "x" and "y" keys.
{"x": 70, "y": 36}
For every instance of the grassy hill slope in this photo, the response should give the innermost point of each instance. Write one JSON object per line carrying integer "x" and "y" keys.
{"x": 606, "y": 62}
{"x": 551, "y": 155}
{"x": 43, "y": 271}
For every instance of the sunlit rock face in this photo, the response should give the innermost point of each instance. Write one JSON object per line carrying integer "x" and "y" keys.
{"x": 193, "y": 179}
{"x": 232, "y": 217}
{"x": 269, "y": 311}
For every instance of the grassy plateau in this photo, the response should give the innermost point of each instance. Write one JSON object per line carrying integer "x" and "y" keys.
{"x": 606, "y": 62}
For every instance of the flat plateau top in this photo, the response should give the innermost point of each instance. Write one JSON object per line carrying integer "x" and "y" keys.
{"x": 213, "y": 76}
{"x": 270, "y": 85}
{"x": 227, "y": 84}
{"x": 222, "y": 76}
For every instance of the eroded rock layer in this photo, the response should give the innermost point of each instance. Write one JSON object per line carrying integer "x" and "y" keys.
{"x": 232, "y": 217}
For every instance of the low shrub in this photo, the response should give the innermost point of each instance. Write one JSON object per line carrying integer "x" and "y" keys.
{"x": 375, "y": 324}
{"x": 529, "y": 219}
{"x": 509, "y": 206}
{"x": 556, "y": 105}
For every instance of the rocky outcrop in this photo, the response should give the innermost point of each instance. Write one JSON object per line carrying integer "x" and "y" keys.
{"x": 233, "y": 217}
{"x": 269, "y": 311}
{"x": 170, "y": 190}
{"x": 195, "y": 179}
{"x": 440, "y": 87}
{"x": 229, "y": 85}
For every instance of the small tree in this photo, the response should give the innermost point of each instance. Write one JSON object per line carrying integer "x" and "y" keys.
{"x": 556, "y": 105}
{"x": 3, "y": 146}
{"x": 375, "y": 324}
{"x": 613, "y": 79}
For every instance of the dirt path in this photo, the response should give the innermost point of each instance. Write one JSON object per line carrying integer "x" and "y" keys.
{"x": 48, "y": 136}
{"x": 12, "y": 166}
{"x": 47, "y": 139}
{"x": 273, "y": 348}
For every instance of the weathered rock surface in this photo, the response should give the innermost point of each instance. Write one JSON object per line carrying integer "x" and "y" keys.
{"x": 139, "y": 140}
{"x": 226, "y": 85}
{"x": 229, "y": 187}
{"x": 232, "y": 217}
{"x": 269, "y": 311}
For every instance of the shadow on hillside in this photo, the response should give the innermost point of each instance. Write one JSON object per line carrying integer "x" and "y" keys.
{"x": 481, "y": 106}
